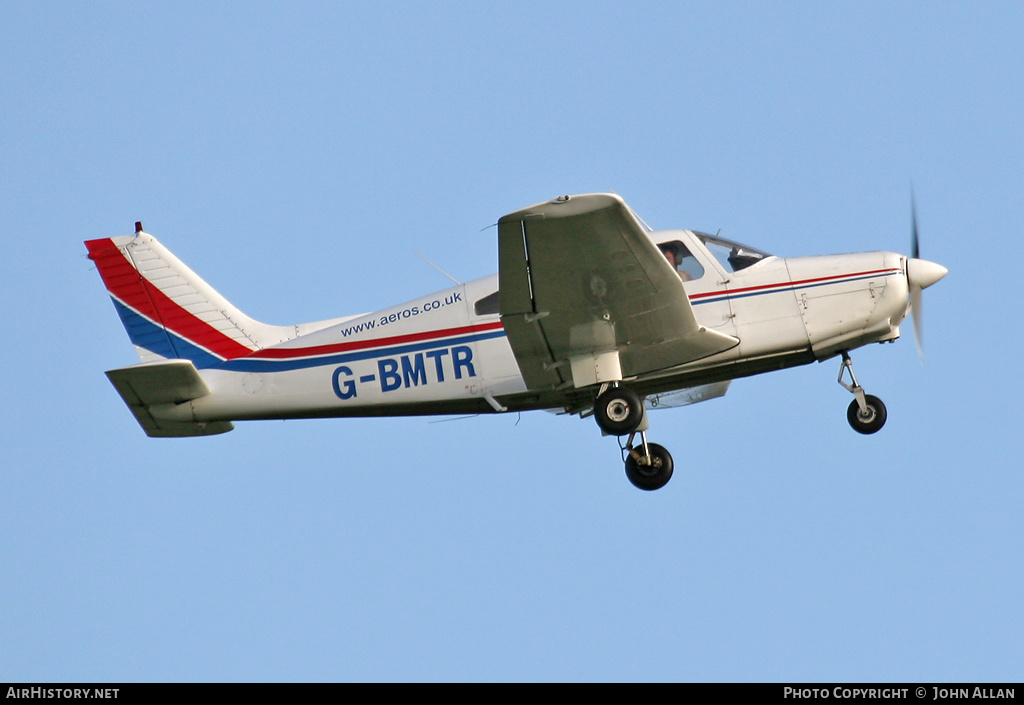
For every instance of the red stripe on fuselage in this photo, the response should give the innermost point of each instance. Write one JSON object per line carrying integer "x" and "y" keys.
{"x": 286, "y": 353}
{"x": 125, "y": 282}
{"x": 782, "y": 286}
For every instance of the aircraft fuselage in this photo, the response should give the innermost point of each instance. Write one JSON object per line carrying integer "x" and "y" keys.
{"x": 447, "y": 352}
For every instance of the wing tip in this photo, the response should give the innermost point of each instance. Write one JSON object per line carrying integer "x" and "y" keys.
{"x": 567, "y": 206}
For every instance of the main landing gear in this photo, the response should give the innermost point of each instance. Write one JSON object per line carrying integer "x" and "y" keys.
{"x": 619, "y": 411}
{"x": 648, "y": 465}
{"x": 866, "y": 413}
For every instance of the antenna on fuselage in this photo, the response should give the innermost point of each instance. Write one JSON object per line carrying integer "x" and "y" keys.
{"x": 641, "y": 220}
{"x": 457, "y": 282}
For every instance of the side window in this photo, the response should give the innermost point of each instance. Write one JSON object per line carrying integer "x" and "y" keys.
{"x": 680, "y": 258}
{"x": 488, "y": 305}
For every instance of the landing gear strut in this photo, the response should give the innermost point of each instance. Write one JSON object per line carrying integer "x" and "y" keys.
{"x": 620, "y": 411}
{"x": 866, "y": 413}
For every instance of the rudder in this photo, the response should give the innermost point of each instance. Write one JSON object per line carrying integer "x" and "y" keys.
{"x": 168, "y": 311}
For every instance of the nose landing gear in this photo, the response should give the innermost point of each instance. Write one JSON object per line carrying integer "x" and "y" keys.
{"x": 866, "y": 413}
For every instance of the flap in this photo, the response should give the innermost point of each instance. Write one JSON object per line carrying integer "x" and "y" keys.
{"x": 687, "y": 396}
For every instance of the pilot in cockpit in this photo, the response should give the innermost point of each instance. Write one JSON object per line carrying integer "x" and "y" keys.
{"x": 675, "y": 257}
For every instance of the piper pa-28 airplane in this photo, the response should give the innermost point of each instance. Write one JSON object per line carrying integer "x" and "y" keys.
{"x": 591, "y": 313}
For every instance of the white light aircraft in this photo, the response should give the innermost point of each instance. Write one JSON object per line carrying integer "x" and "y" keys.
{"x": 591, "y": 313}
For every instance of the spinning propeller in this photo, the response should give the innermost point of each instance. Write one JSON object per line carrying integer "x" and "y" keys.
{"x": 921, "y": 274}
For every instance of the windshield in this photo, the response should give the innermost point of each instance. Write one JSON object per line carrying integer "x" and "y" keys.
{"x": 732, "y": 255}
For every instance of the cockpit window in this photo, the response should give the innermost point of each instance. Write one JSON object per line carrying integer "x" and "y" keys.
{"x": 732, "y": 255}
{"x": 682, "y": 260}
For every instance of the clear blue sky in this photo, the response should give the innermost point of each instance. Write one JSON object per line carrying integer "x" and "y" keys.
{"x": 297, "y": 154}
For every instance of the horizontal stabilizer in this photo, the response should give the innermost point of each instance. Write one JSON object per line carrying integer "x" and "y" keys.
{"x": 164, "y": 383}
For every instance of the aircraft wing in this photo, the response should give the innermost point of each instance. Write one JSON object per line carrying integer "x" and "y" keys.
{"x": 582, "y": 284}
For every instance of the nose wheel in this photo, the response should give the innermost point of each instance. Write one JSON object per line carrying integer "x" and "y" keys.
{"x": 869, "y": 419}
{"x": 866, "y": 413}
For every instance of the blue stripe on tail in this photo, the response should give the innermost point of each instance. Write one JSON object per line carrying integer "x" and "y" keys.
{"x": 160, "y": 341}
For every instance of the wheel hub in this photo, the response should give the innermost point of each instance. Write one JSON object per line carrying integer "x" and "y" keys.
{"x": 618, "y": 410}
{"x": 866, "y": 415}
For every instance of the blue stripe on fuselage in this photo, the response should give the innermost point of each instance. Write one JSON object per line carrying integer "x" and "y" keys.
{"x": 244, "y": 364}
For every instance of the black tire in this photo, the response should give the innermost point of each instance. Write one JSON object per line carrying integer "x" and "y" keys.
{"x": 869, "y": 422}
{"x": 653, "y": 476}
{"x": 619, "y": 411}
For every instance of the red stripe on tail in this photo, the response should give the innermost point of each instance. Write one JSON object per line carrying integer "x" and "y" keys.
{"x": 126, "y": 283}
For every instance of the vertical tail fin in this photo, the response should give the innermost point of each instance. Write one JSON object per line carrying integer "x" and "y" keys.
{"x": 168, "y": 311}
